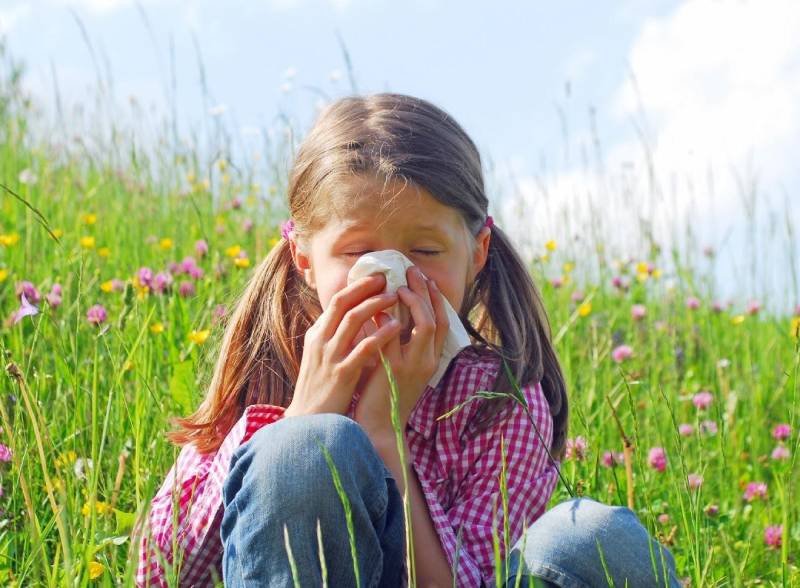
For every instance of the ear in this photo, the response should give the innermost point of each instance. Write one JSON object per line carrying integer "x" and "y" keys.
{"x": 302, "y": 263}
{"x": 481, "y": 253}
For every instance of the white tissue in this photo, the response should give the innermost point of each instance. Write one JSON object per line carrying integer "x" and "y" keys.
{"x": 393, "y": 265}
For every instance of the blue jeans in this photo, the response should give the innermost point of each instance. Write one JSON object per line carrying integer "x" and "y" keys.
{"x": 280, "y": 478}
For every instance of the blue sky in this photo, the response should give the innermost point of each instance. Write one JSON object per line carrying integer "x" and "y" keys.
{"x": 715, "y": 107}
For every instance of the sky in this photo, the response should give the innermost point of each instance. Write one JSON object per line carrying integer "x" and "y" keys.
{"x": 662, "y": 115}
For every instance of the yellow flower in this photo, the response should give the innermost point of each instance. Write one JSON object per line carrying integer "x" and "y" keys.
{"x": 241, "y": 262}
{"x": 273, "y": 241}
{"x": 58, "y": 233}
{"x": 794, "y": 329}
{"x": 191, "y": 177}
{"x": 544, "y": 257}
{"x": 66, "y": 458}
{"x": 107, "y": 286}
{"x": 233, "y": 250}
{"x": 58, "y": 484}
{"x": 157, "y": 328}
{"x": 99, "y": 506}
{"x": 9, "y": 240}
{"x": 585, "y": 308}
{"x": 226, "y": 178}
{"x": 199, "y": 337}
{"x": 3, "y": 274}
{"x": 96, "y": 570}
{"x": 142, "y": 293}
{"x": 90, "y": 218}
{"x": 656, "y": 273}
{"x": 642, "y": 277}
{"x": 568, "y": 267}
{"x": 550, "y": 245}
{"x": 738, "y": 319}
{"x": 87, "y": 242}
{"x": 104, "y": 252}
{"x": 128, "y": 366}
{"x": 166, "y": 243}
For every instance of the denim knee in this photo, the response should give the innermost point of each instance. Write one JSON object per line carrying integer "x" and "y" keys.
{"x": 582, "y": 542}
{"x": 285, "y": 457}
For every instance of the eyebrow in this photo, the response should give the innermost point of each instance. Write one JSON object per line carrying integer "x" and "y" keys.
{"x": 366, "y": 225}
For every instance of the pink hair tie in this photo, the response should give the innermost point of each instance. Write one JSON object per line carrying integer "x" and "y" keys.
{"x": 286, "y": 228}
{"x": 489, "y": 221}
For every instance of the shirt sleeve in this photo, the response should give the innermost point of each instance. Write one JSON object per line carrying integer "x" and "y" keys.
{"x": 530, "y": 480}
{"x": 186, "y": 511}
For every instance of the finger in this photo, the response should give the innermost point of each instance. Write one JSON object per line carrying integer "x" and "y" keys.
{"x": 347, "y": 298}
{"x": 441, "y": 319}
{"x": 354, "y": 319}
{"x": 369, "y": 346}
{"x": 417, "y": 282}
{"x": 421, "y": 341}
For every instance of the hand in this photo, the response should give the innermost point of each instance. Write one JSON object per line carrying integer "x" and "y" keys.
{"x": 332, "y": 361}
{"x": 413, "y": 363}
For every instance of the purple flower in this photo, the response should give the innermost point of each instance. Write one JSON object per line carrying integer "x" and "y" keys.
{"x": 218, "y": 314}
{"x": 702, "y": 400}
{"x": 782, "y": 432}
{"x": 577, "y": 296}
{"x": 30, "y": 291}
{"x": 638, "y": 311}
{"x": 753, "y": 307}
{"x": 576, "y": 448}
{"x": 187, "y": 264}
{"x": 685, "y": 429}
{"x": 621, "y": 353}
{"x": 201, "y": 248}
{"x": 196, "y": 272}
{"x": 5, "y": 453}
{"x": 145, "y": 275}
{"x": 25, "y": 309}
{"x": 186, "y": 289}
{"x": 161, "y": 282}
{"x": 247, "y": 225}
{"x": 708, "y": 427}
{"x": 692, "y": 303}
{"x": 174, "y": 268}
{"x": 56, "y": 289}
{"x": 96, "y": 314}
{"x": 611, "y": 458}
{"x": 657, "y": 458}
{"x": 695, "y": 481}
{"x": 287, "y": 227}
{"x": 780, "y": 452}
{"x": 236, "y": 203}
{"x": 54, "y": 300}
{"x": 717, "y": 306}
{"x": 711, "y": 510}
{"x": 773, "y": 536}
{"x": 755, "y": 490}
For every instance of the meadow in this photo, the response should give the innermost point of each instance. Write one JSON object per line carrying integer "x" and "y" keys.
{"x": 118, "y": 267}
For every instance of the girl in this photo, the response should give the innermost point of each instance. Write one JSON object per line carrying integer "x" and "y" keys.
{"x": 299, "y": 370}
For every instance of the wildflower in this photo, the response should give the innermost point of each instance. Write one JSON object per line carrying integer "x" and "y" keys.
{"x": 692, "y": 303}
{"x": 157, "y": 328}
{"x": 54, "y": 296}
{"x": 568, "y": 267}
{"x": 557, "y": 282}
{"x": 161, "y": 282}
{"x": 711, "y": 510}
{"x": 724, "y": 363}
{"x": 80, "y": 466}
{"x": 199, "y": 337}
{"x": 26, "y": 176}
{"x": 577, "y": 296}
{"x": 585, "y": 309}
{"x": 201, "y": 247}
{"x": 716, "y": 306}
{"x": 272, "y": 242}
{"x": 708, "y": 427}
{"x": 780, "y": 452}
{"x": 738, "y": 319}
{"x": 657, "y": 458}
{"x": 5, "y": 453}
{"x": 9, "y": 240}
{"x": 702, "y": 400}
{"x": 233, "y": 250}
{"x": 99, "y": 506}
{"x": 621, "y": 283}
{"x": 145, "y": 276}
{"x": 104, "y": 252}
{"x": 550, "y": 245}
{"x": 621, "y": 353}
{"x": 576, "y": 448}
{"x": 107, "y": 286}
{"x": 66, "y": 458}
{"x": 794, "y": 327}
{"x": 611, "y": 458}
{"x": 773, "y": 536}
{"x": 186, "y": 289}
{"x": 196, "y": 272}
{"x": 695, "y": 481}
{"x": 187, "y": 263}
{"x": 58, "y": 233}
{"x": 96, "y": 570}
{"x": 30, "y": 291}
{"x": 218, "y": 314}
{"x": 96, "y": 314}
{"x": 247, "y": 225}
{"x": 663, "y": 518}
{"x": 241, "y": 262}
{"x": 87, "y": 242}
{"x": 782, "y": 432}
{"x": 236, "y": 203}
{"x": 755, "y": 490}
{"x": 165, "y": 243}
{"x": 3, "y": 274}
{"x": 753, "y": 306}
{"x": 685, "y": 429}
{"x": 638, "y": 311}
{"x": 90, "y": 218}
{"x": 25, "y": 309}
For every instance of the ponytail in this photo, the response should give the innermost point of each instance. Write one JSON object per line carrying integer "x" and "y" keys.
{"x": 512, "y": 321}
{"x": 259, "y": 358}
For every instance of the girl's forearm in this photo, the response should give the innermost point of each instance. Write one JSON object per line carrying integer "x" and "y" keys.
{"x": 432, "y": 567}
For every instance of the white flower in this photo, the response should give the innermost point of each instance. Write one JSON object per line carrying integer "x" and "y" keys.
{"x": 80, "y": 466}
{"x": 26, "y": 176}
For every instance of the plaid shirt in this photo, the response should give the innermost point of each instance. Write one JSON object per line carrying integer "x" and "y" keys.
{"x": 460, "y": 481}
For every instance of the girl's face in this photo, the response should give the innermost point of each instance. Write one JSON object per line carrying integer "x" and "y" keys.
{"x": 433, "y": 236}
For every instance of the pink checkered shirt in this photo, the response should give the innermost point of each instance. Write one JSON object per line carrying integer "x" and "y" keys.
{"x": 460, "y": 481}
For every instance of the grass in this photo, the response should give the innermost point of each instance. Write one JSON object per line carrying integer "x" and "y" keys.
{"x": 84, "y": 406}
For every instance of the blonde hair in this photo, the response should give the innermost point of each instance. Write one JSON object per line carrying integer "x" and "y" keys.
{"x": 389, "y": 136}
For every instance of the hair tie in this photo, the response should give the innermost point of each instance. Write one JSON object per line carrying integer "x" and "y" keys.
{"x": 286, "y": 228}
{"x": 489, "y": 221}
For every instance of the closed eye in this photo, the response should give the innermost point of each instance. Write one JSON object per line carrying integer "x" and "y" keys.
{"x": 421, "y": 251}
